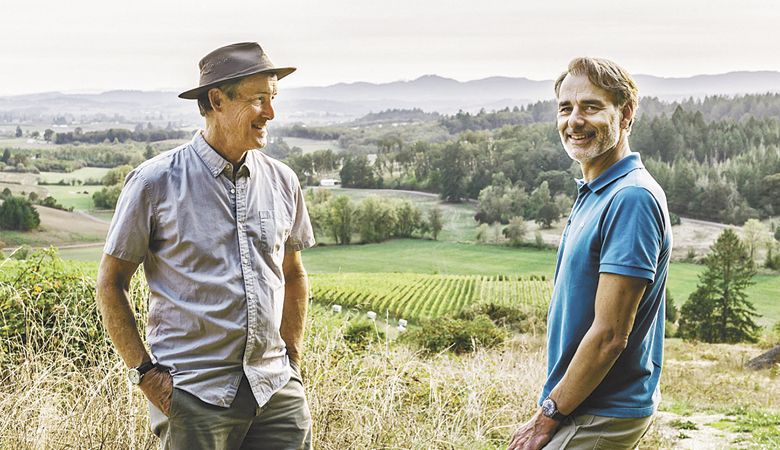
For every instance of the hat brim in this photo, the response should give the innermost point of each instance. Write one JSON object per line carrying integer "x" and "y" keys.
{"x": 193, "y": 94}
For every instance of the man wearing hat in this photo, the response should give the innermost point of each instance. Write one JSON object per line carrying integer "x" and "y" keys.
{"x": 219, "y": 227}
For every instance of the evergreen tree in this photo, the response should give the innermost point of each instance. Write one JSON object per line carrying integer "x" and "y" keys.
{"x": 718, "y": 310}
{"x": 17, "y": 213}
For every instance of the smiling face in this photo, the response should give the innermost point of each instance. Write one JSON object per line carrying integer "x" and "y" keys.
{"x": 589, "y": 123}
{"x": 243, "y": 118}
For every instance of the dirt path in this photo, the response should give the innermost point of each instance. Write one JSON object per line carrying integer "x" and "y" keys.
{"x": 694, "y": 432}
{"x": 86, "y": 215}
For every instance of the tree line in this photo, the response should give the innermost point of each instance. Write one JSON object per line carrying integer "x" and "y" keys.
{"x": 119, "y": 135}
{"x": 374, "y": 219}
{"x": 725, "y": 171}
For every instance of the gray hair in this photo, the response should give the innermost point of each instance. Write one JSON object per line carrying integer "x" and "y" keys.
{"x": 606, "y": 75}
{"x": 230, "y": 89}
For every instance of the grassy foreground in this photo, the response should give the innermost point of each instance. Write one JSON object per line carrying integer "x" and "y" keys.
{"x": 62, "y": 385}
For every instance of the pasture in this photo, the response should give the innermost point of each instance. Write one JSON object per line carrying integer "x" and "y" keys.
{"x": 83, "y": 174}
{"x": 79, "y": 197}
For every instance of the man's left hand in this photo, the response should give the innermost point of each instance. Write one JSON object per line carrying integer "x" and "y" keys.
{"x": 534, "y": 434}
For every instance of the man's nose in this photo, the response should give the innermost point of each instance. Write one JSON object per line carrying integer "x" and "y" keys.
{"x": 268, "y": 111}
{"x": 575, "y": 118}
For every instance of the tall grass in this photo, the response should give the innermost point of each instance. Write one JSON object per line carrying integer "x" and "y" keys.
{"x": 63, "y": 386}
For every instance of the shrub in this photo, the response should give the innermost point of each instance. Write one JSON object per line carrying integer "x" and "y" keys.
{"x": 21, "y": 253}
{"x": 458, "y": 335}
{"x": 107, "y": 197}
{"x": 360, "y": 334}
{"x": 501, "y": 315}
{"x": 674, "y": 219}
{"x": 47, "y": 306}
{"x": 17, "y": 213}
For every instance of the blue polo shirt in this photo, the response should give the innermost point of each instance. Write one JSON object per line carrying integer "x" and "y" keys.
{"x": 619, "y": 224}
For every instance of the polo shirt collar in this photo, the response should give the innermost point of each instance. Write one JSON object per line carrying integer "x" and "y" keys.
{"x": 618, "y": 170}
{"x": 213, "y": 160}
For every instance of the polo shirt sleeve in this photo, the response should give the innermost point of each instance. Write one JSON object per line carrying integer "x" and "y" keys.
{"x": 301, "y": 234}
{"x": 128, "y": 235}
{"x": 632, "y": 234}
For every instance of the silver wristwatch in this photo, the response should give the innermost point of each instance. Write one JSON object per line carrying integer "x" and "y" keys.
{"x": 550, "y": 409}
{"x": 136, "y": 374}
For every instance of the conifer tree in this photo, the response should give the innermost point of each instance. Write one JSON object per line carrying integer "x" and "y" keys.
{"x": 719, "y": 310}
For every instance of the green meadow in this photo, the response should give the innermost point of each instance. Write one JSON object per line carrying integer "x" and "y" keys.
{"x": 83, "y": 174}
{"x": 79, "y": 197}
{"x": 437, "y": 257}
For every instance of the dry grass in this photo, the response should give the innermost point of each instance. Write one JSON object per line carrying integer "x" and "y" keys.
{"x": 386, "y": 397}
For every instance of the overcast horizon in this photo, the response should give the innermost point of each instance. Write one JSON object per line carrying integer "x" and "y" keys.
{"x": 90, "y": 46}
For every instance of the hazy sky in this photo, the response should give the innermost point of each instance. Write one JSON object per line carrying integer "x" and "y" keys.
{"x": 96, "y": 45}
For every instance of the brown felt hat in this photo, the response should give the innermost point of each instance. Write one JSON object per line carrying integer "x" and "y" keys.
{"x": 231, "y": 63}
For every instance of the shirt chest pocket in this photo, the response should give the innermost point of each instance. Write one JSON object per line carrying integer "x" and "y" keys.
{"x": 274, "y": 230}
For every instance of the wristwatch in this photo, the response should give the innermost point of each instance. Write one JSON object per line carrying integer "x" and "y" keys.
{"x": 550, "y": 409}
{"x": 136, "y": 374}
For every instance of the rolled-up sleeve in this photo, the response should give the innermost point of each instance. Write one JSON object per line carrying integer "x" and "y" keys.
{"x": 131, "y": 228}
{"x": 632, "y": 234}
{"x": 301, "y": 233}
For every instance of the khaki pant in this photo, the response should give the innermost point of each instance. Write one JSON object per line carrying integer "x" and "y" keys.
{"x": 284, "y": 423}
{"x": 589, "y": 432}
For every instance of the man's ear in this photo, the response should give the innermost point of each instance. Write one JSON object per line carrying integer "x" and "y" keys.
{"x": 215, "y": 98}
{"x": 627, "y": 116}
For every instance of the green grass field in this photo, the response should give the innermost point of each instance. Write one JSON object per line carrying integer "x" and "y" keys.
{"x": 425, "y": 256}
{"x": 436, "y": 257}
{"x": 83, "y": 174}
{"x": 79, "y": 197}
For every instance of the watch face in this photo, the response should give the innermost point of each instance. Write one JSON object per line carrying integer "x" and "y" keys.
{"x": 548, "y": 407}
{"x": 134, "y": 376}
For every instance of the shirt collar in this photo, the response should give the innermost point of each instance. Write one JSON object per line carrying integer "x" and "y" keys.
{"x": 213, "y": 160}
{"x": 618, "y": 170}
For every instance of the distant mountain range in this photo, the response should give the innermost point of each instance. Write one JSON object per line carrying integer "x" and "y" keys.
{"x": 346, "y": 101}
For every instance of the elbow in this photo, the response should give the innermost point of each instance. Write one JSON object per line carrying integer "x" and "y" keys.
{"x": 295, "y": 275}
{"x": 612, "y": 343}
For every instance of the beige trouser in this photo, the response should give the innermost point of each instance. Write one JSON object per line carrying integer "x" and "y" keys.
{"x": 284, "y": 423}
{"x": 589, "y": 432}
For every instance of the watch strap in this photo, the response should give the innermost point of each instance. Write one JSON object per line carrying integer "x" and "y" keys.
{"x": 554, "y": 414}
{"x": 145, "y": 367}
{"x": 557, "y": 416}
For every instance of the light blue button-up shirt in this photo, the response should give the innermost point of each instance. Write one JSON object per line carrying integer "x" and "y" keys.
{"x": 212, "y": 246}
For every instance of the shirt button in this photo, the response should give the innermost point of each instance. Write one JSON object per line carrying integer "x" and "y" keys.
{"x": 232, "y": 191}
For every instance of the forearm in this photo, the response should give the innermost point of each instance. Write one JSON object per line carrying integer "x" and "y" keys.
{"x": 294, "y": 313}
{"x": 595, "y": 356}
{"x": 119, "y": 321}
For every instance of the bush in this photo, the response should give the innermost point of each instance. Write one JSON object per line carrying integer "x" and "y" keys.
{"x": 17, "y": 213}
{"x": 674, "y": 219}
{"x": 107, "y": 197}
{"x": 46, "y": 306}
{"x": 458, "y": 335}
{"x": 21, "y": 253}
{"x": 360, "y": 334}
{"x": 501, "y": 315}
